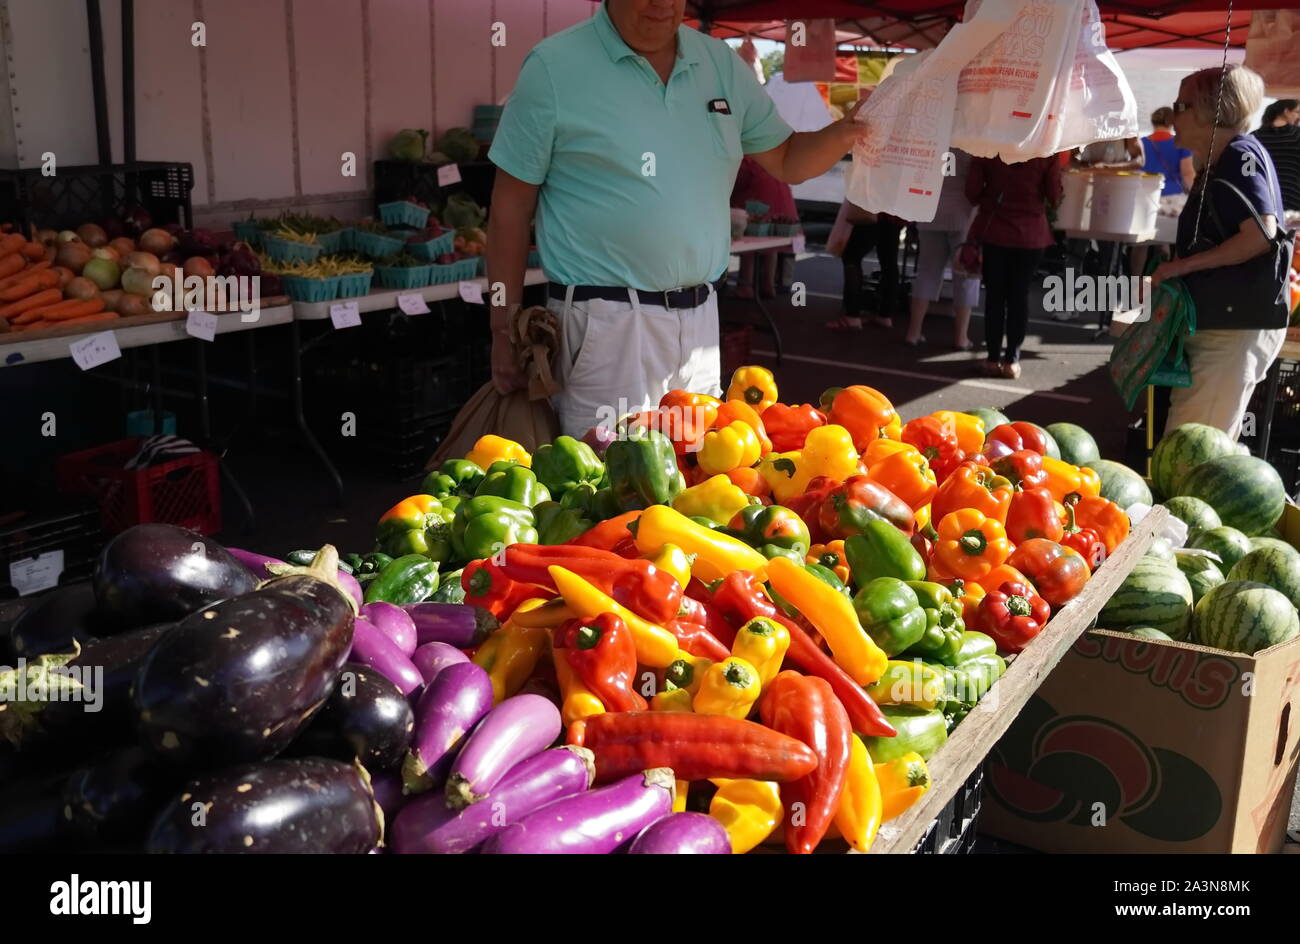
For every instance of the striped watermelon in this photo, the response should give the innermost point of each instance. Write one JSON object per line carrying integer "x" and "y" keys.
{"x": 1193, "y": 512}
{"x": 1121, "y": 484}
{"x": 1161, "y": 550}
{"x": 1076, "y": 443}
{"x": 1154, "y": 594}
{"x": 1149, "y": 632}
{"x": 1227, "y": 544}
{"x": 988, "y": 416}
{"x": 1202, "y": 573}
{"x": 1246, "y": 491}
{"x": 1244, "y": 616}
{"x": 1278, "y": 569}
{"x": 1182, "y": 450}
{"x": 1262, "y": 541}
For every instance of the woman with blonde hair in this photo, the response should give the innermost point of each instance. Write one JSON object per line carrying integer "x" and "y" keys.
{"x": 1229, "y": 250}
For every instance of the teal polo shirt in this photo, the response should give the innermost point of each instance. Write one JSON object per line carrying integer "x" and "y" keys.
{"x": 635, "y": 175}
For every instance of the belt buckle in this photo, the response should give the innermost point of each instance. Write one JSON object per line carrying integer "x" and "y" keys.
{"x": 668, "y": 305}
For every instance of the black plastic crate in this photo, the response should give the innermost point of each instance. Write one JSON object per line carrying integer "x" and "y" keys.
{"x": 400, "y": 180}
{"x": 75, "y": 195}
{"x": 73, "y": 528}
{"x": 953, "y": 830}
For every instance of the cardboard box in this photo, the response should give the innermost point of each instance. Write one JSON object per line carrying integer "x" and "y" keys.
{"x": 1142, "y": 746}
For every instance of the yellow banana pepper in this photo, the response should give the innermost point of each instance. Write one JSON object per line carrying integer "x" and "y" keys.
{"x": 902, "y": 781}
{"x": 734, "y": 446}
{"x": 510, "y": 654}
{"x": 969, "y": 429}
{"x": 716, "y": 554}
{"x": 576, "y": 700}
{"x": 679, "y": 795}
{"x": 674, "y": 560}
{"x": 655, "y": 646}
{"x": 908, "y": 683}
{"x": 678, "y": 699}
{"x": 490, "y": 448}
{"x": 762, "y": 643}
{"x": 545, "y": 614}
{"x": 832, "y": 615}
{"x": 729, "y": 687}
{"x": 716, "y": 498}
{"x": 755, "y": 385}
{"x": 859, "y": 814}
{"x": 748, "y": 810}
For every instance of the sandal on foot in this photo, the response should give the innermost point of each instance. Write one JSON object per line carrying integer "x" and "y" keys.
{"x": 990, "y": 368}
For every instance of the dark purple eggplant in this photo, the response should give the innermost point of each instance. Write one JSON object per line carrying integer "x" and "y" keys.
{"x": 457, "y": 624}
{"x": 597, "y": 822}
{"x": 32, "y": 816}
{"x": 154, "y": 573}
{"x": 682, "y": 834}
{"x": 448, "y": 708}
{"x": 512, "y": 732}
{"x": 394, "y": 622}
{"x": 433, "y": 657}
{"x": 116, "y": 798}
{"x": 296, "y": 805}
{"x": 428, "y": 825}
{"x": 372, "y": 647}
{"x": 55, "y": 619}
{"x": 367, "y": 719}
{"x": 236, "y": 681}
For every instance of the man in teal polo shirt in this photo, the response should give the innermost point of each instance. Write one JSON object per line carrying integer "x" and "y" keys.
{"x": 624, "y": 134}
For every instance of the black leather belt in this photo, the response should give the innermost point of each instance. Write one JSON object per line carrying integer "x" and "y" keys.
{"x": 692, "y": 297}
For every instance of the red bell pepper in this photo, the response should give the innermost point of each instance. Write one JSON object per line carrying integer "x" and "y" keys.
{"x": 1024, "y": 469}
{"x": 805, "y": 707}
{"x": 936, "y": 440}
{"x": 1033, "y": 514}
{"x": 1086, "y": 541}
{"x": 699, "y": 624}
{"x": 1013, "y": 615}
{"x": 841, "y": 509}
{"x": 788, "y": 426}
{"x": 943, "y": 466}
{"x": 740, "y": 598}
{"x": 1058, "y": 573}
{"x": 486, "y": 586}
{"x": 603, "y": 654}
{"x": 1019, "y": 436}
{"x": 644, "y": 589}
{"x": 612, "y": 534}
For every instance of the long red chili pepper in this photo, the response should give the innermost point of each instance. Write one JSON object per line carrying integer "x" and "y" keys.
{"x": 644, "y": 589}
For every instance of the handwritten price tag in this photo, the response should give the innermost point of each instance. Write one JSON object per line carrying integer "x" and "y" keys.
{"x": 36, "y": 573}
{"x": 800, "y": 243}
{"x": 471, "y": 293}
{"x": 201, "y": 325}
{"x": 95, "y": 350}
{"x": 448, "y": 174}
{"x": 345, "y": 315}
{"x": 411, "y": 304}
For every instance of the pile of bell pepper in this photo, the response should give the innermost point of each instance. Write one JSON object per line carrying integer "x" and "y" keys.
{"x": 721, "y": 579}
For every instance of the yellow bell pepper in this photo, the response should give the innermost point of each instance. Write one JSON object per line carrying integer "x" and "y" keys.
{"x": 674, "y": 560}
{"x": 490, "y": 449}
{"x": 655, "y": 646}
{"x": 893, "y": 429}
{"x": 969, "y": 429}
{"x": 762, "y": 643}
{"x": 1064, "y": 479}
{"x": 716, "y": 554}
{"x": 729, "y": 687}
{"x": 716, "y": 498}
{"x": 576, "y": 700}
{"x": 902, "y": 781}
{"x": 755, "y": 385}
{"x": 510, "y": 654}
{"x": 686, "y": 673}
{"x": 780, "y": 470}
{"x": 678, "y": 699}
{"x": 832, "y": 615}
{"x": 827, "y": 451}
{"x": 859, "y": 814}
{"x": 748, "y": 810}
{"x": 907, "y": 683}
{"x": 734, "y": 446}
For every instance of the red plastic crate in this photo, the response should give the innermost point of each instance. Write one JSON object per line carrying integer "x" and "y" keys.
{"x": 184, "y": 491}
{"x": 735, "y": 344}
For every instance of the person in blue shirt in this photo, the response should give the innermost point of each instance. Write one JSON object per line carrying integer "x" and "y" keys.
{"x": 1163, "y": 154}
{"x": 624, "y": 133}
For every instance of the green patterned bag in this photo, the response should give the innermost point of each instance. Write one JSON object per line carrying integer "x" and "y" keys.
{"x": 1151, "y": 352}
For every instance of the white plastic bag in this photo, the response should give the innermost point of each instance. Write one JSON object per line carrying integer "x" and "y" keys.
{"x": 1095, "y": 102}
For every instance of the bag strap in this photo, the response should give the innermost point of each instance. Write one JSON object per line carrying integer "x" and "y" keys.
{"x": 1276, "y": 239}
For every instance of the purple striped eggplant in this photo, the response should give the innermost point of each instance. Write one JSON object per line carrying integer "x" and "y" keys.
{"x": 387, "y": 788}
{"x": 372, "y": 647}
{"x": 255, "y": 562}
{"x": 513, "y": 731}
{"x": 682, "y": 834}
{"x": 597, "y": 822}
{"x": 448, "y": 708}
{"x": 433, "y": 657}
{"x": 457, "y": 624}
{"x": 394, "y": 622}
{"x": 428, "y": 825}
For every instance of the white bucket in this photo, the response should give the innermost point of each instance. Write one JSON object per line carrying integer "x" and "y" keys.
{"x": 1073, "y": 213}
{"x": 1125, "y": 203}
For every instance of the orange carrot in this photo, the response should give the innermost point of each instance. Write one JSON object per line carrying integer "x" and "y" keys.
{"x": 35, "y": 282}
{"x": 12, "y": 264}
{"x": 72, "y": 308}
{"x": 42, "y": 299}
{"x": 12, "y": 243}
{"x": 18, "y": 277}
{"x": 27, "y": 317}
{"x": 34, "y": 251}
{"x": 98, "y": 316}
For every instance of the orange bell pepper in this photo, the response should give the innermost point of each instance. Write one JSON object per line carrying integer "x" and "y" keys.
{"x": 734, "y": 410}
{"x": 908, "y": 476}
{"x": 1064, "y": 479}
{"x": 864, "y": 412}
{"x": 831, "y": 556}
{"x": 755, "y": 385}
{"x": 1104, "y": 517}
{"x": 751, "y": 482}
{"x": 970, "y": 544}
{"x": 880, "y": 449}
{"x": 968, "y": 594}
{"x": 968, "y": 429}
{"x": 413, "y": 506}
{"x": 971, "y": 485}
{"x": 1001, "y": 574}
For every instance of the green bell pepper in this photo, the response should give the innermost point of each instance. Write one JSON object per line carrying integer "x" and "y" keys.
{"x": 974, "y": 645}
{"x": 370, "y": 565}
{"x": 918, "y": 730}
{"x": 967, "y": 683}
{"x": 881, "y": 550}
{"x": 942, "y": 639}
{"x": 426, "y": 532}
{"x": 643, "y": 469}
{"x": 772, "y": 530}
{"x": 604, "y": 505}
{"x": 408, "y": 579}
{"x": 580, "y": 498}
{"x": 824, "y": 574}
{"x": 449, "y": 589}
{"x": 557, "y": 524}
{"x": 516, "y": 483}
{"x": 891, "y": 614}
{"x": 565, "y": 464}
{"x": 486, "y": 523}
{"x": 453, "y": 477}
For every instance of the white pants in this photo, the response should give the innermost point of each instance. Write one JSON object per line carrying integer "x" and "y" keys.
{"x": 1226, "y": 366}
{"x": 936, "y": 250}
{"x": 621, "y": 357}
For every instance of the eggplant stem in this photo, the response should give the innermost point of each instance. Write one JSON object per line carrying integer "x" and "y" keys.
{"x": 324, "y": 567}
